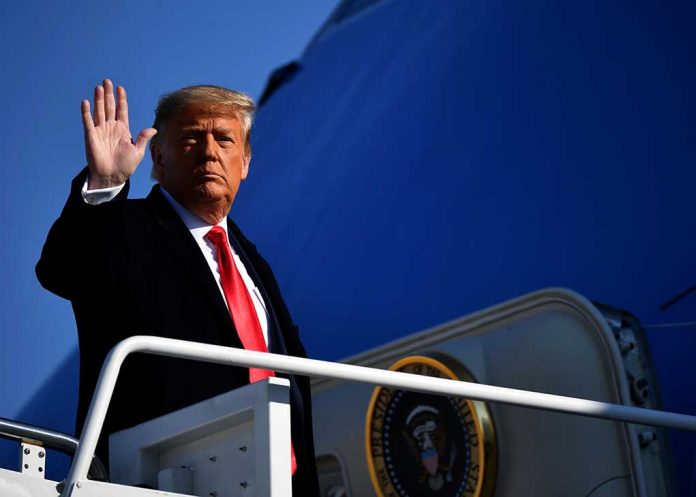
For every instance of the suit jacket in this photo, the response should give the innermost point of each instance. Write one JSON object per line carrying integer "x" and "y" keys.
{"x": 131, "y": 267}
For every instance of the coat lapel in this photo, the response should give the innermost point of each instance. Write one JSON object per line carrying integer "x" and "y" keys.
{"x": 276, "y": 344}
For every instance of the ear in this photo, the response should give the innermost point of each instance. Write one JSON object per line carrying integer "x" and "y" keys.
{"x": 157, "y": 162}
{"x": 245, "y": 164}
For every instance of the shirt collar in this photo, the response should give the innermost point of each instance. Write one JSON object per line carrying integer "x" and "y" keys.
{"x": 195, "y": 224}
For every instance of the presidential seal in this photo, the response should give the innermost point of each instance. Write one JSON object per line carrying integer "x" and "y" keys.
{"x": 422, "y": 445}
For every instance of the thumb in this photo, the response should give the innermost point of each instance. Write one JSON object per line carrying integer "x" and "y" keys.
{"x": 143, "y": 137}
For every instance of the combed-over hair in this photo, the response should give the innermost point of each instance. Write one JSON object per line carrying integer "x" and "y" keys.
{"x": 239, "y": 103}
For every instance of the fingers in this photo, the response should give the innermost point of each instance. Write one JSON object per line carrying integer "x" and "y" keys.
{"x": 99, "y": 105}
{"x": 107, "y": 107}
{"x": 122, "y": 105}
{"x": 109, "y": 102}
{"x": 87, "y": 123}
{"x": 143, "y": 137}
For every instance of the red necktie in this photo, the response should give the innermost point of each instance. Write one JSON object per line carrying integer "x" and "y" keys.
{"x": 241, "y": 307}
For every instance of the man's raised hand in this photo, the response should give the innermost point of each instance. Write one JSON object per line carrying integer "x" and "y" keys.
{"x": 112, "y": 156}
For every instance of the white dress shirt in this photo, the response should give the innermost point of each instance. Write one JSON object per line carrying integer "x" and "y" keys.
{"x": 198, "y": 229}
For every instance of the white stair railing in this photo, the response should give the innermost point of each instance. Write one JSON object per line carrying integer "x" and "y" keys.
{"x": 311, "y": 367}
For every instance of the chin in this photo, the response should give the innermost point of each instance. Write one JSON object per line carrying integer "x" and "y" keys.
{"x": 212, "y": 198}
{"x": 211, "y": 192}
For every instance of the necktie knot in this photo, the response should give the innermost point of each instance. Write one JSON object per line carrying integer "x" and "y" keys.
{"x": 216, "y": 235}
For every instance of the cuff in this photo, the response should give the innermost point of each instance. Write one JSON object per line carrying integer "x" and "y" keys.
{"x": 99, "y": 195}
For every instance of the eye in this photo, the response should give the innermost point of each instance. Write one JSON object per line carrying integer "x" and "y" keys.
{"x": 188, "y": 139}
{"x": 225, "y": 141}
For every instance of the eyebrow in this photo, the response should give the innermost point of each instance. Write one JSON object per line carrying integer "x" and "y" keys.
{"x": 221, "y": 129}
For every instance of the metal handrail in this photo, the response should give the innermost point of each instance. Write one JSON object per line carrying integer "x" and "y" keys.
{"x": 50, "y": 439}
{"x": 361, "y": 374}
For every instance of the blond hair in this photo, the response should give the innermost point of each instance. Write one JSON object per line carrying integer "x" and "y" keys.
{"x": 239, "y": 103}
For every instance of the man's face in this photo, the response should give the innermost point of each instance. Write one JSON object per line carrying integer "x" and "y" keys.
{"x": 202, "y": 159}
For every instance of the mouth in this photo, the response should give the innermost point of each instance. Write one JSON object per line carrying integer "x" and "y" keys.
{"x": 205, "y": 176}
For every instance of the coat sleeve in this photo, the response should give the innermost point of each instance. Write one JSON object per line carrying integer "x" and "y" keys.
{"x": 81, "y": 250}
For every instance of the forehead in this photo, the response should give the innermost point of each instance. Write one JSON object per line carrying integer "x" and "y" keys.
{"x": 206, "y": 115}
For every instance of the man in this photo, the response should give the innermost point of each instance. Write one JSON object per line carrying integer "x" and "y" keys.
{"x": 167, "y": 265}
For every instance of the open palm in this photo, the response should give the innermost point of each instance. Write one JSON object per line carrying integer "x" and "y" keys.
{"x": 112, "y": 155}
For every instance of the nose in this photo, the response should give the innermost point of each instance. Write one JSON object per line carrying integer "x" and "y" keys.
{"x": 210, "y": 148}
